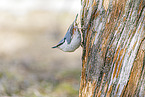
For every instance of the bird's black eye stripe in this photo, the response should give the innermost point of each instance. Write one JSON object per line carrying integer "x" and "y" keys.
{"x": 60, "y": 43}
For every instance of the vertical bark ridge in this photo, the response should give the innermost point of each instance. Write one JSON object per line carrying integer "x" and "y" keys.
{"x": 111, "y": 46}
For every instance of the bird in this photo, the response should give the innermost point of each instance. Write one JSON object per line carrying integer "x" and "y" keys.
{"x": 71, "y": 40}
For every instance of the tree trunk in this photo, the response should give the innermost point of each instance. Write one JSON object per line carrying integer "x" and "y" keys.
{"x": 113, "y": 48}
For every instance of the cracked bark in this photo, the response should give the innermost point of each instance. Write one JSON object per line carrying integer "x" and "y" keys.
{"x": 113, "y": 48}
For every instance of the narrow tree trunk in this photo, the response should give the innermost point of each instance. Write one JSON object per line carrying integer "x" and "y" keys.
{"x": 113, "y": 48}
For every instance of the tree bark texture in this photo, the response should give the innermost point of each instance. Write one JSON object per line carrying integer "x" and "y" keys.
{"x": 113, "y": 48}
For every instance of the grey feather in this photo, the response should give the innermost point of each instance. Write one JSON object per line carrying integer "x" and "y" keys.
{"x": 69, "y": 33}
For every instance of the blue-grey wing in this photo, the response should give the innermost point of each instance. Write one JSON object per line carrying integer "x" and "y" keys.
{"x": 60, "y": 43}
{"x": 70, "y": 31}
{"x": 68, "y": 35}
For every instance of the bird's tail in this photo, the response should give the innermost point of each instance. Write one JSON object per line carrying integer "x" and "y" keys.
{"x": 76, "y": 18}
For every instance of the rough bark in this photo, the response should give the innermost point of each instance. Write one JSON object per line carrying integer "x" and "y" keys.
{"x": 113, "y": 48}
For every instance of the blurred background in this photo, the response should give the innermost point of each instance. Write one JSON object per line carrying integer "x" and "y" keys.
{"x": 29, "y": 67}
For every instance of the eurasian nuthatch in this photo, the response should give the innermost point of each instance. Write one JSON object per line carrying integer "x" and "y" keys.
{"x": 72, "y": 39}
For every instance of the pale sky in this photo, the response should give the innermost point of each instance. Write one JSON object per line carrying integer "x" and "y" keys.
{"x": 23, "y": 6}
